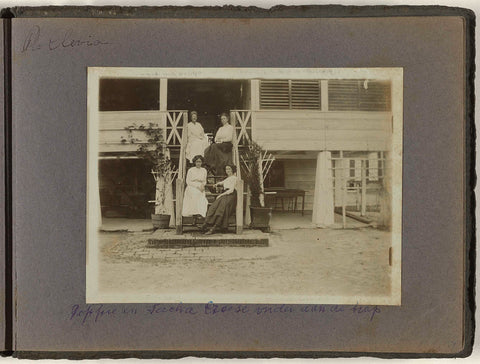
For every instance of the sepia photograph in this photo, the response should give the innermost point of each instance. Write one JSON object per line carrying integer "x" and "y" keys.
{"x": 244, "y": 185}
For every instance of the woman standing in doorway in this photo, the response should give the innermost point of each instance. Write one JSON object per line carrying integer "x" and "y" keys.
{"x": 219, "y": 154}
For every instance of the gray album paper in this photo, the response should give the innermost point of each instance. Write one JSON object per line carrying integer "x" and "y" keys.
{"x": 363, "y": 118}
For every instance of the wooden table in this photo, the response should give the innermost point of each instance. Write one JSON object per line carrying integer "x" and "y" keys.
{"x": 287, "y": 193}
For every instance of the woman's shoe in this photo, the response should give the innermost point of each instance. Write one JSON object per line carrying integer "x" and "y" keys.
{"x": 211, "y": 231}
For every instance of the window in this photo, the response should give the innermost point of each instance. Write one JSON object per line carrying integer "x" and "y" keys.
{"x": 355, "y": 169}
{"x": 290, "y": 94}
{"x": 352, "y": 168}
{"x": 359, "y": 95}
{"x": 276, "y": 175}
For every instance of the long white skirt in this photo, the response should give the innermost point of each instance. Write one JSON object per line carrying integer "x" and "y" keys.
{"x": 196, "y": 147}
{"x": 194, "y": 202}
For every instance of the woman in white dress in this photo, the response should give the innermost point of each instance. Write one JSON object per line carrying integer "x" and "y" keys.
{"x": 197, "y": 141}
{"x": 194, "y": 200}
{"x": 219, "y": 154}
{"x": 219, "y": 213}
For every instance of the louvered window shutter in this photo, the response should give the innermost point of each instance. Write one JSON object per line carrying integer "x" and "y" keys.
{"x": 305, "y": 94}
{"x": 290, "y": 94}
{"x": 342, "y": 95}
{"x": 375, "y": 97}
{"x": 359, "y": 95}
{"x": 274, "y": 94}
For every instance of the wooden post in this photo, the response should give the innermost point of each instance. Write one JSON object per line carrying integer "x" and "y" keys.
{"x": 239, "y": 185}
{"x": 235, "y": 156}
{"x": 338, "y": 183}
{"x": 180, "y": 184}
{"x": 364, "y": 188}
{"x": 254, "y": 104}
{"x": 261, "y": 198}
{"x": 385, "y": 220}
{"x": 169, "y": 200}
{"x": 239, "y": 210}
{"x": 248, "y": 218}
{"x": 179, "y": 203}
{"x": 324, "y": 95}
{"x": 162, "y": 102}
{"x": 255, "y": 95}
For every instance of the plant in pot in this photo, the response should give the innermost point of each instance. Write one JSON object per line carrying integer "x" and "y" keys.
{"x": 152, "y": 149}
{"x": 257, "y": 163}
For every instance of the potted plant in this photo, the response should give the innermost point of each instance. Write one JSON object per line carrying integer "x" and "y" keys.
{"x": 154, "y": 151}
{"x": 257, "y": 164}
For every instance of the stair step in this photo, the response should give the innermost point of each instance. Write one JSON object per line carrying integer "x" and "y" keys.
{"x": 168, "y": 239}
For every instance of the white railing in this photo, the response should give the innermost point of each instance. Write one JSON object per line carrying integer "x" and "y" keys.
{"x": 242, "y": 123}
{"x": 176, "y": 122}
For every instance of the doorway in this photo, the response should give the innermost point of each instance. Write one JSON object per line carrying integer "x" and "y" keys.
{"x": 209, "y": 98}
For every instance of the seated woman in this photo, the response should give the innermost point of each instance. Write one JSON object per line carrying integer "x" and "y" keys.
{"x": 224, "y": 206}
{"x": 197, "y": 141}
{"x": 219, "y": 154}
{"x": 194, "y": 201}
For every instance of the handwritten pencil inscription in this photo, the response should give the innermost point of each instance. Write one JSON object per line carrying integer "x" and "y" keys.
{"x": 95, "y": 313}
{"x": 35, "y": 41}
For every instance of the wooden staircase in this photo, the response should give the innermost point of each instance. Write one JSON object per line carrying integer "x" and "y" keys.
{"x": 211, "y": 180}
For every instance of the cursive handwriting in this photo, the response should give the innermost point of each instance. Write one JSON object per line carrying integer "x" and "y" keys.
{"x": 90, "y": 312}
{"x": 33, "y": 41}
{"x": 95, "y": 313}
{"x": 178, "y": 308}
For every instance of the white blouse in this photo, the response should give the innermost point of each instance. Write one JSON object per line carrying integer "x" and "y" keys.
{"x": 197, "y": 177}
{"x": 195, "y": 131}
{"x": 224, "y": 134}
{"x": 229, "y": 183}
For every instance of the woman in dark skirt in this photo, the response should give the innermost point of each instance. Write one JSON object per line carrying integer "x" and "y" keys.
{"x": 224, "y": 206}
{"x": 219, "y": 154}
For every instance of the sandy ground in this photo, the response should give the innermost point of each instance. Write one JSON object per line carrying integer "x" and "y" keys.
{"x": 307, "y": 262}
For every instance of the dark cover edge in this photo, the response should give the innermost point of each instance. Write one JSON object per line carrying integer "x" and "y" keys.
{"x": 307, "y": 11}
{"x": 8, "y": 345}
{"x": 230, "y": 11}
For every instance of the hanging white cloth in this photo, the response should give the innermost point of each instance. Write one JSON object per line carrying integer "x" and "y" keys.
{"x": 194, "y": 201}
{"x": 197, "y": 141}
{"x": 323, "y": 196}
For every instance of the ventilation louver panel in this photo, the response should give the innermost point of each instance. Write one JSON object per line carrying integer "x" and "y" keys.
{"x": 274, "y": 94}
{"x": 305, "y": 94}
{"x": 358, "y": 95}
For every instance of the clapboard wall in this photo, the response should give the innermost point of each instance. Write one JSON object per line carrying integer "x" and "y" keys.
{"x": 298, "y": 130}
{"x": 300, "y": 175}
{"x": 112, "y": 128}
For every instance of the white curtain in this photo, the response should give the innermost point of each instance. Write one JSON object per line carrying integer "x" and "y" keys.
{"x": 323, "y": 196}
